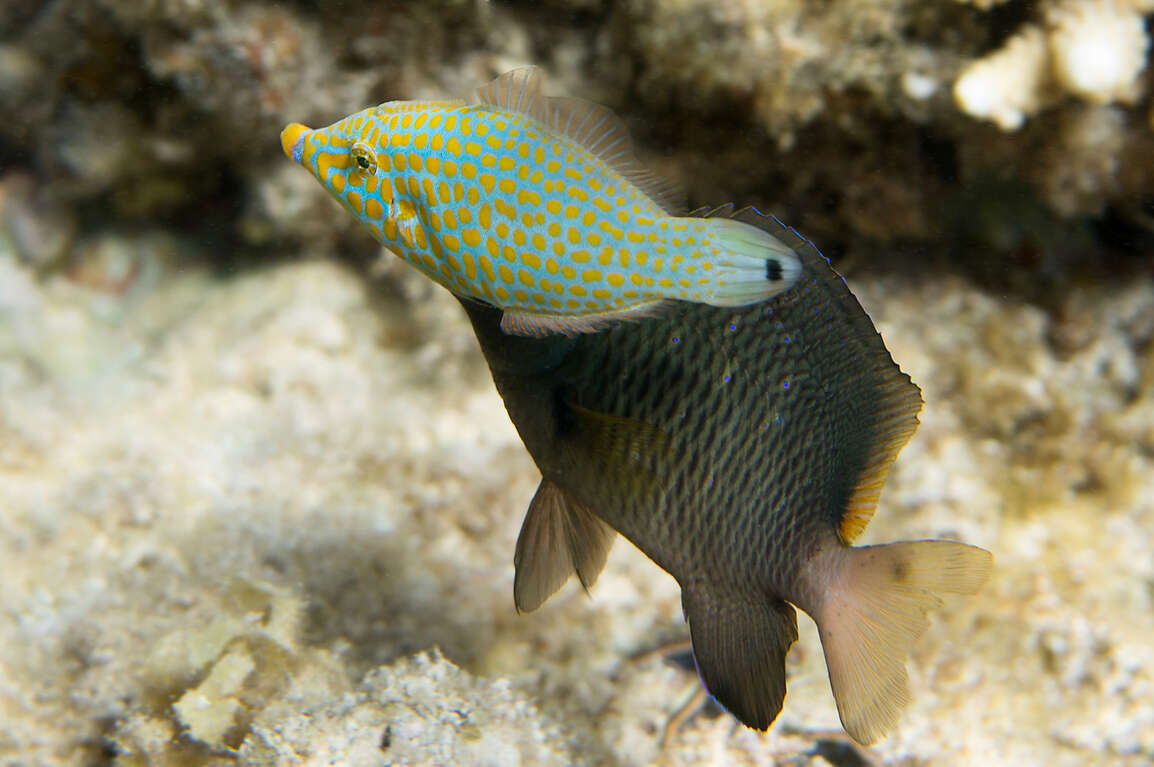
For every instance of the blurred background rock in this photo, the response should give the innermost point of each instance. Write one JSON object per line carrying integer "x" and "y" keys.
{"x": 1010, "y": 138}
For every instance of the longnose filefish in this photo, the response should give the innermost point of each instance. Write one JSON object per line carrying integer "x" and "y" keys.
{"x": 743, "y": 450}
{"x": 535, "y": 205}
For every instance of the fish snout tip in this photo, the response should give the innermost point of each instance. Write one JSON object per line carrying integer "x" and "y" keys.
{"x": 292, "y": 140}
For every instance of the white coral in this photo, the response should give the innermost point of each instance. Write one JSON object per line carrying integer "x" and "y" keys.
{"x": 1098, "y": 49}
{"x": 1008, "y": 85}
{"x": 1092, "y": 49}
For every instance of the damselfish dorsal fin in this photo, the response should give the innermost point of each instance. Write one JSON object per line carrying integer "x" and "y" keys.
{"x": 560, "y": 536}
{"x": 591, "y": 125}
{"x": 894, "y": 401}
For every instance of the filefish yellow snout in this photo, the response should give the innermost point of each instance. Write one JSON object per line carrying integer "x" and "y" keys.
{"x": 743, "y": 450}
{"x": 292, "y": 141}
{"x": 534, "y": 205}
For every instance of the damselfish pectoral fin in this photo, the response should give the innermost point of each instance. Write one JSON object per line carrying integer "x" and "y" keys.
{"x": 560, "y": 536}
{"x": 740, "y": 642}
{"x": 617, "y": 445}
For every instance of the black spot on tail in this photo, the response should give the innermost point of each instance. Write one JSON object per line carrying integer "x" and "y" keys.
{"x": 900, "y": 570}
{"x": 773, "y": 271}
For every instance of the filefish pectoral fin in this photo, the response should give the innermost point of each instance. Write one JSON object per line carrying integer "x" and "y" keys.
{"x": 740, "y": 641}
{"x": 559, "y": 537}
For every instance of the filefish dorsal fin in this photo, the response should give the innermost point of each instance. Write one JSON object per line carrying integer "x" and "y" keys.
{"x": 739, "y": 644}
{"x": 895, "y": 400}
{"x": 591, "y": 125}
{"x": 559, "y": 536}
{"x": 601, "y": 132}
{"x": 518, "y": 90}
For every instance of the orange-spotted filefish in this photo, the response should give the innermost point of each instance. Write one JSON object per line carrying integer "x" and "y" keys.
{"x": 535, "y": 205}
{"x": 743, "y": 450}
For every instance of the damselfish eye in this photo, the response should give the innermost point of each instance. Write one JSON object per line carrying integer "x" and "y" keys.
{"x": 365, "y": 158}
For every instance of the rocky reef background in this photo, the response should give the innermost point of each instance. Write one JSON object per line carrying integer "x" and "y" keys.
{"x": 258, "y": 498}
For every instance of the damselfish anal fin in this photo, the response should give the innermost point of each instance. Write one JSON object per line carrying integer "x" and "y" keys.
{"x": 560, "y": 536}
{"x": 873, "y": 610}
{"x": 740, "y": 642}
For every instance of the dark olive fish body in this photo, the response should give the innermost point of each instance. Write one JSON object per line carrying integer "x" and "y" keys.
{"x": 742, "y": 449}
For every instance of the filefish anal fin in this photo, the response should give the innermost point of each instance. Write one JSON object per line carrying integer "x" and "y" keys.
{"x": 535, "y": 325}
{"x": 560, "y": 536}
{"x": 740, "y": 641}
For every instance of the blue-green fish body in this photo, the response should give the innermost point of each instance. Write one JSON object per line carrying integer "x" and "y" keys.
{"x": 534, "y": 205}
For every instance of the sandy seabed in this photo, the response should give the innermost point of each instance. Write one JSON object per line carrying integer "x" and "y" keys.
{"x": 265, "y": 519}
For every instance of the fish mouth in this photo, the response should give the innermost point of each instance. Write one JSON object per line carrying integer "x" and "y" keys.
{"x": 292, "y": 141}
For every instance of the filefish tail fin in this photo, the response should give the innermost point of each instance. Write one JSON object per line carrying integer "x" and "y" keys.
{"x": 559, "y": 537}
{"x": 740, "y": 642}
{"x": 752, "y": 264}
{"x": 874, "y": 610}
{"x": 523, "y": 323}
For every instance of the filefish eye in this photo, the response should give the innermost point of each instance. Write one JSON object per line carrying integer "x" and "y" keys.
{"x": 365, "y": 158}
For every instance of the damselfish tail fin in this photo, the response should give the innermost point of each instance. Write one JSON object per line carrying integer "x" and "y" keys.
{"x": 751, "y": 266}
{"x": 740, "y": 641}
{"x": 872, "y": 612}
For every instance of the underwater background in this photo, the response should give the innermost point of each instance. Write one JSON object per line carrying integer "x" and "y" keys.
{"x": 258, "y": 497}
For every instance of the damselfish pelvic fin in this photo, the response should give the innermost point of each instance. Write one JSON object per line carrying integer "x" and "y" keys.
{"x": 872, "y": 611}
{"x": 740, "y": 641}
{"x": 522, "y": 323}
{"x": 559, "y": 536}
{"x": 591, "y": 125}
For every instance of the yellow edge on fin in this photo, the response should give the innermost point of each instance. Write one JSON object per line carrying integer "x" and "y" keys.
{"x": 899, "y": 421}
